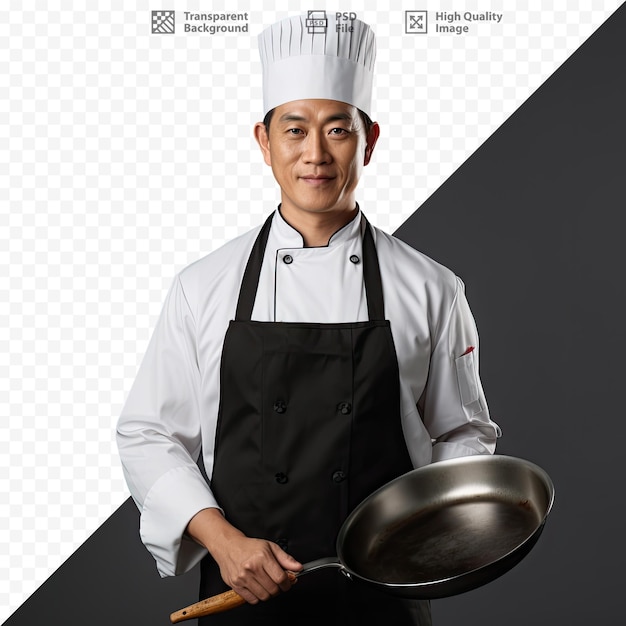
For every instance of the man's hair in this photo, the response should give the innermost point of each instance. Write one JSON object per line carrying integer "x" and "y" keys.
{"x": 365, "y": 118}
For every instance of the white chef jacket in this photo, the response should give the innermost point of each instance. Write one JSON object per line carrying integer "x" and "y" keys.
{"x": 170, "y": 415}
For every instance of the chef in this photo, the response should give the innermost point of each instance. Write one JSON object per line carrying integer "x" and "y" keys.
{"x": 300, "y": 366}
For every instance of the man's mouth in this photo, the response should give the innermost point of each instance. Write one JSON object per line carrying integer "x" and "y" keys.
{"x": 316, "y": 181}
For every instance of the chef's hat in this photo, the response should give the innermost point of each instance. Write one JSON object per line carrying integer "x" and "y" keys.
{"x": 318, "y": 56}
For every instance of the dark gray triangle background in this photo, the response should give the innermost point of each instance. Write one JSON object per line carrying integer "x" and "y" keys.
{"x": 533, "y": 223}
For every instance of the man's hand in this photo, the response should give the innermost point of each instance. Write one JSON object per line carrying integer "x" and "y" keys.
{"x": 254, "y": 568}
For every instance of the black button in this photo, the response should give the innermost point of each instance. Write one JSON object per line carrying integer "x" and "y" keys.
{"x": 355, "y": 259}
{"x": 345, "y": 408}
{"x": 281, "y": 478}
{"x": 280, "y": 406}
{"x": 288, "y": 259}
{"x": 338, "y": 476}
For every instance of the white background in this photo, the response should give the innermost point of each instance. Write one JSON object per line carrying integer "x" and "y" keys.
{"x": 125, "y": 155}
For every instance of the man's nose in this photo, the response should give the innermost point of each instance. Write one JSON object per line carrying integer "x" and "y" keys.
{"x": 315, "y": 149}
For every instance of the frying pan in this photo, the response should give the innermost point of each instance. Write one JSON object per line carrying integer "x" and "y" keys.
{"x": 434, "y": 532}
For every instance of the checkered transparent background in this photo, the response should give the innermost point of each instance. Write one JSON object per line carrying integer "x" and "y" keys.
{"x": 125, "y": 156}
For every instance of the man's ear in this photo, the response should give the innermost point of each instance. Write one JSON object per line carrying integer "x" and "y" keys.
{"x": 372, "y": 138}
{"x": 262, "y": 138}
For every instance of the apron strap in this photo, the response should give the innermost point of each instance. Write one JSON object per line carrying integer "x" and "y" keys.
{"x": 250, "y": 281}
{"x": 371, "y": 275}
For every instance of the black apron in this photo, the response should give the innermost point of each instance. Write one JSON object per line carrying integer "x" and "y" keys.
{"x": 309, "y": 425}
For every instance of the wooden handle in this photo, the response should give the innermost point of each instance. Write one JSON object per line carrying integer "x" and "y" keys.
{"x": 215, "y": 604}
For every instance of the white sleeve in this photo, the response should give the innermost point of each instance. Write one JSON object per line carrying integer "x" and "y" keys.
{"x": 159, "y": 439}
{"x": 453, "y": 407}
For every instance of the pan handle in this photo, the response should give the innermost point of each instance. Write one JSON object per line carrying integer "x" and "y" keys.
{"x": 231, "y": 599}
{"x": 313, "y": 566}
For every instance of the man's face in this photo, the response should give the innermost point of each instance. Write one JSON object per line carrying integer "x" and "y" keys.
{"x": 317, "y": 150}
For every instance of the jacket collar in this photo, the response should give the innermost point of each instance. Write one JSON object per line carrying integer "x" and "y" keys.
{"x": 288, "y": 237}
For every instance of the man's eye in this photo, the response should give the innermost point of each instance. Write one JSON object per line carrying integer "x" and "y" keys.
{"x": 338, "y": 131}
{"x": 295, "y": 131}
